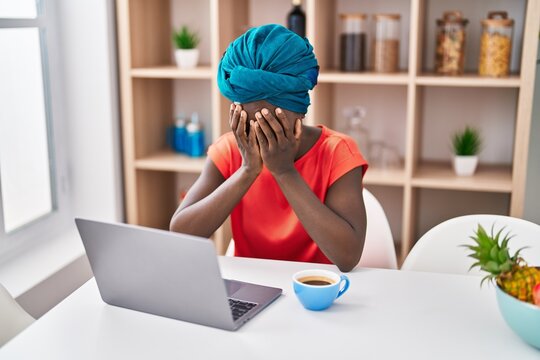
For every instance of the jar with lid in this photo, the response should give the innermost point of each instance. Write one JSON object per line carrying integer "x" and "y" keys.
{"x": 385, "y": 44}
{"x": 450, "y": 48}
{"x": 496, "y": 44}
{"x": 353, "y": 42}
{"x": 356, "y": 129}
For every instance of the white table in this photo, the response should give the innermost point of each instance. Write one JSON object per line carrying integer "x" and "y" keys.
{"x": 385, "y": 315}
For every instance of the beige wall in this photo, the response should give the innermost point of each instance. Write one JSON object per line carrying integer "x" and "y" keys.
{"x": 532, "y": 198}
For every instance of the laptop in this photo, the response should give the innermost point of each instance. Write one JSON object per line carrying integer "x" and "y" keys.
{"x": 168, "y": 274}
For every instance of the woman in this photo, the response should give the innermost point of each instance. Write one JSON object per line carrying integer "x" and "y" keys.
{"x": 294, "y": 192}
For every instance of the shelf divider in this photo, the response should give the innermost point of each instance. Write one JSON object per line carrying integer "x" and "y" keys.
{"x": 173, "y": 72}
{"x": 340, "y": 77}
{"x": 488, "y": 178}
{"x": 171, "y": 161}
{"x": 389, "y": 177}
{"x": 468, "y": 80}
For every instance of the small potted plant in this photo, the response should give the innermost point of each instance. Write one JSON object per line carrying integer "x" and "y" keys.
{"x": 186, "y": 53}
{"x": 466, "y": 145}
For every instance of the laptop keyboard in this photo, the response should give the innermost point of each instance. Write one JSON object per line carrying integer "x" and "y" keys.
{"x": 239, "y": 308}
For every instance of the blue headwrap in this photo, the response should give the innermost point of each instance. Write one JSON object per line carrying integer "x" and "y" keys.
{"x": 269, "y": 63}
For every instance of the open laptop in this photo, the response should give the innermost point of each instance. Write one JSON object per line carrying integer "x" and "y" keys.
{"x": 168, "y": 274}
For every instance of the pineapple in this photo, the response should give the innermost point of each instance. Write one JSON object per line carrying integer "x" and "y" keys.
{"x": 510, "y": 272}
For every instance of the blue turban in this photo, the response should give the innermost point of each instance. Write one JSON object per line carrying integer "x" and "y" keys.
{"x": 269, "y": 63}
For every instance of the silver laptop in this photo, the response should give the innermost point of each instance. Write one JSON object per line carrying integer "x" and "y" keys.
{"x": 168, "y": 274}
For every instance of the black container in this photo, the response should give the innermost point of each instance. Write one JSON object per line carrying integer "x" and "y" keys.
{"x": 296, "y": 19}
{"x": 352, "y": 54}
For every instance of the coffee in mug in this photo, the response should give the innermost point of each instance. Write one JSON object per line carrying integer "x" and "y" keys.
{"x": 316, "y": 280}
{"x": 317, "y": 289}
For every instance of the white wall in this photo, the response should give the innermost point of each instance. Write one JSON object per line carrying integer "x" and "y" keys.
{"x": 88, "y": 44}
{"x": 532, "y": 188}
{"x": 90, "y": 102}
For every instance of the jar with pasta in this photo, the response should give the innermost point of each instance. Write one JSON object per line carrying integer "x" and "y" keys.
{"x": 385, "y": 44}
{"x": 496, "y": 44}
{"x": 450, "y": 47}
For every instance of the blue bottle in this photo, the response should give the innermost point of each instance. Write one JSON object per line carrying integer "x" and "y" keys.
{"x": 180, "y": 135}
{"x": 195, "y": 137}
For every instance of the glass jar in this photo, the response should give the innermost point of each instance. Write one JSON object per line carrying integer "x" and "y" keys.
{"x": 450, "y": 48}
{"x": 496, "y": 44}
{"x": 385, "y": 44}
{"x": 356, "y": 127}
{"x": 353, "y": 42}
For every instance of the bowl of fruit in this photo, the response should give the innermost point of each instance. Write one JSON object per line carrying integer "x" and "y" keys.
{"x": 517, "y": 285}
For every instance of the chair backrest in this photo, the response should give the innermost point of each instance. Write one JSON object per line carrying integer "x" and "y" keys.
{"x": 13, "y": 318}
{"x": 379, "y": 250}
{"x": 439, "y": 249}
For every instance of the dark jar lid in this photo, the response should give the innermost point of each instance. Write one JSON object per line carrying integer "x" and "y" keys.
{"x": 498, "y": 18}
{"x": 452, "y": 17}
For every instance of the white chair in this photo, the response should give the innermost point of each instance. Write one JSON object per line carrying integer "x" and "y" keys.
{"x": 439, "y": 249}
{"x": 379, "y": 250}
{"x": 13, "y": 318}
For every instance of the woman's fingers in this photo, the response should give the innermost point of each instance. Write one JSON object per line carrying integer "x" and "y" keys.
{"x": 231, "y": 112}
{"x": 275, "y": 125}
{"x": 241, "y": 128}
{"x": 266, "y": 129}
{"x": 287, "y": 128}
{"x": 261, "y": 138}
{"x": 235, "y": 117}
{"x": 298, "y": 129}
{"x": 252, "y": 137}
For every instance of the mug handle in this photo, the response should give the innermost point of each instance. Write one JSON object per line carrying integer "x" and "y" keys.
{"x": 345, "y": 287}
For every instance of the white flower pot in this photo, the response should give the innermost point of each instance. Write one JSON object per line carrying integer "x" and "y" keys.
{"x": 186, "y": 58}
{"x": 465, "y": 165}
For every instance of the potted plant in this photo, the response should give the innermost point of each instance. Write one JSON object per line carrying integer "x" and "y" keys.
{"x": 186, "y": 53}
{"x": 466, "y": 145}
{"x": 517, "y": 285}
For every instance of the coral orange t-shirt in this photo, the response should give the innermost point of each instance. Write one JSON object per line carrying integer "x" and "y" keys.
{"x": 264, "y": 225}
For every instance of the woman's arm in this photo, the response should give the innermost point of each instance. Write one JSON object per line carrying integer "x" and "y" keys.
{"x": 212, "y": 198}
{"x": 338, "y": 226}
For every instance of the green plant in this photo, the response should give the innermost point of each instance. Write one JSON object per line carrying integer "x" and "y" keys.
{"x": 466, "y": 142}
{"x": 510, "y": 272}
{"x": 185, "y": 38}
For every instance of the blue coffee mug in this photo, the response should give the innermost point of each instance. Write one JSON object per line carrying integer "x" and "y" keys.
{"x": 317, "y": 289}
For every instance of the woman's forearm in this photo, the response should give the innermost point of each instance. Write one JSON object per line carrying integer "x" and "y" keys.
{"x": 203, "y": 217}
{"x": 336, "y": 238}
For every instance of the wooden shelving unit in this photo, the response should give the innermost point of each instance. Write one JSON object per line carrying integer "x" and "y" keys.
{"x": 170, "y": 161}
{"x": 486, "y": 178}
{"x": 149, "y": 78}
{"x": 173, "y": 72}
{"x": 333, "y": 76}
{"x": 468, "y": 80}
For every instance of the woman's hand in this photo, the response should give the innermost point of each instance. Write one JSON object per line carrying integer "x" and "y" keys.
{"x": 278, "y": 140}
{"x": 247, "y": 144}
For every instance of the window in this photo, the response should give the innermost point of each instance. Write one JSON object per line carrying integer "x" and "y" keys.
{"x": 30, "y": 169}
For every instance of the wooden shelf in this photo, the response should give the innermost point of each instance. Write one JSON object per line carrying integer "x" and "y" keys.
{"x": 171, "y": 161}
{"x": 335, "y": 76}
{"x": 468, "y": 80}
{"x": 488, "y": 178}
{"x": 173, "y": 72}
{"x": 144, "y": 29}
{"x": 388, "y": 177}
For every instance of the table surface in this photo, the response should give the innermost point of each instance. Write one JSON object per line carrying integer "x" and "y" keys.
{"x": 386, "y": 314}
